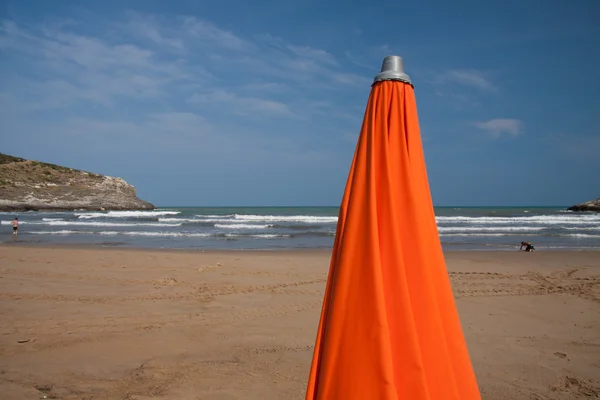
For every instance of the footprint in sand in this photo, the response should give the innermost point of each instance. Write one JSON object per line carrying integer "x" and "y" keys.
{"x": 577, "y": 386}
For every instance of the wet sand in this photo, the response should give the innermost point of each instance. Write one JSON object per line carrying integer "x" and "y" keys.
{"x": 81, "y": 323}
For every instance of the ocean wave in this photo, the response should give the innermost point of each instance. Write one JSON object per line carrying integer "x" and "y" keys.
{"x": 241, "y": 226}
{"x": 261, "y": 236}
{"x": 584, "y": 235}
{"x": 489, "y": 229}
{"x": 121, "y": 224}
{"x": 539, "y": 219}
{"x": 286, "y": 218}
{"x": 166, "y": 234}
{"x": 298, "y": 227}
{"x": 161, "y": 234}
{"x": 304, "y": 220}
{"x": 63, "y": 232}
{"x": 91, "y": 223}
{"x": 209, "y": 216}
{"x": 571, "y": 235}
{"x": 483, "y": 234}
{"x": 313, "y": 233}
{"x": 10, "y": 222}
{"x": 127, "y": 233}
{"x": 182, "y": 220}
{"x": 125, "y": 214}
{"x": 205, "y": 222}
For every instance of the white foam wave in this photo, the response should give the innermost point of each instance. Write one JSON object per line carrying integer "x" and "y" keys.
{"x": 128, "y": 233}
{"x": 166, "y": 234}
{"x": 122, "y": 224}
{"x": 572, "y": 235}
{"x": 214, "y": 220}
{"x": 199, "y": 220}
{"x": 241, "y": 226}
{"x": 182, "y": 220}
{"x": 125, "y": 214}
{"x": 585, "y": 228}
{"x": 208, "y": 216}
{"x": 286, "y": 218}
{"x": 480, "y": 234}
{"x": 52, "y": 219}
{"x": 584, "y": 235}
{"x": 262, "y": 236}
{"x": 10, "y": 222}
{"x": 539, "y": 219}
{"x": 63, "y": 232}
{"x": 488, "y": 229}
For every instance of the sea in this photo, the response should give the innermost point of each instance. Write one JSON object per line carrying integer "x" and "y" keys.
{"x": 273, "y": 228}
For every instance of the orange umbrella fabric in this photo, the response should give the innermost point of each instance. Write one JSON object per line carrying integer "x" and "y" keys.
{"x": 389, "y": 327}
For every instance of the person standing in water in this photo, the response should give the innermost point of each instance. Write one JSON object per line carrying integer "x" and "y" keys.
{"x": 15, "y": 225}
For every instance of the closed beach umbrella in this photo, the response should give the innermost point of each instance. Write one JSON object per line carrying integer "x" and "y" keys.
{"x": 389, "y": 327}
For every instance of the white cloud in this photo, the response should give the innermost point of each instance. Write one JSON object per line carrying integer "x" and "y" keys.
{"x": 105, "y": 129}
{"x": 460, "y": 101}
{"x": 207, "y": 31}
{"x": 357, "y": 62}
{"x": 314, "y": 54}
{"x": 75, "y": 67}
{"x": 102, "y": 69}
{"x": 147, "y": 27}
{"x": 161, "y": 124}
{"x": 467, "y": 77}
{"x": 351, "y": 79}
{"x": 167, "y": 132}
{"x": 300, "y": 63}
{"x": 384, "y": 49}
{"x": 240, "y": 105}
{"x": 265, "y": 87}
{"x": 498, "y": 126}
{"x": 178, "y": 83}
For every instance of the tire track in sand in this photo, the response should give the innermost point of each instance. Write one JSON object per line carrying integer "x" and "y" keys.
{"x": 482, "y": 284}
{"x": 203, "y": 293}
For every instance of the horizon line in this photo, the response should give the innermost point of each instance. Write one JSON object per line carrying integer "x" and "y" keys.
{"x": 329, "y": 206}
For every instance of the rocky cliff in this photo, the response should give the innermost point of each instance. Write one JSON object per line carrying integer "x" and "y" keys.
{"x": 592, "y": 205}
{"x": 32, "y": 185}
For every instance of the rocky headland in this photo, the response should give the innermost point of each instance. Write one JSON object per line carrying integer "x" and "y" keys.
{"x": 27, "y": 185}
{"x": 592, "y": 205}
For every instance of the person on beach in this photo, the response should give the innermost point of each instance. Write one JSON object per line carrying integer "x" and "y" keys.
{"x": 528, "y": 246}
{"x": 15, "y": 225}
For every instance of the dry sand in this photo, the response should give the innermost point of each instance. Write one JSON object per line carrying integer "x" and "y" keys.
{"x": 80, "y": 323}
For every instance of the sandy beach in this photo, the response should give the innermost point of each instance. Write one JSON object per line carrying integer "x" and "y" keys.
{"x": 105, "y": 323}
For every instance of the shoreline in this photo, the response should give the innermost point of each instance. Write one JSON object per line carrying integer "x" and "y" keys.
{"x": 448, "y": 249}
{"x": 88, "y": 246}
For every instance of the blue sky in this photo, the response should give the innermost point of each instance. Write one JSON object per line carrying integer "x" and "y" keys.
{"x": 233, "y": 102}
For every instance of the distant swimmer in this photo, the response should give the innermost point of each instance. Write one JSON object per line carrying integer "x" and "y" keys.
{"x": 15, "y": 225}
{"x": 528, "y": 246}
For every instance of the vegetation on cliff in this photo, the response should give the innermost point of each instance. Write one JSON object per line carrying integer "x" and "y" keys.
{"x": 33, "y": 185}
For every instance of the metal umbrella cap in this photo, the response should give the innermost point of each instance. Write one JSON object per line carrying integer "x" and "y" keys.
{"x": 392, "y": 69}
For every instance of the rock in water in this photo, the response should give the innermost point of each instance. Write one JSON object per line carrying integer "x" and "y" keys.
{"x": 592, "y": 205}
{"x": 32, "y": 185}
